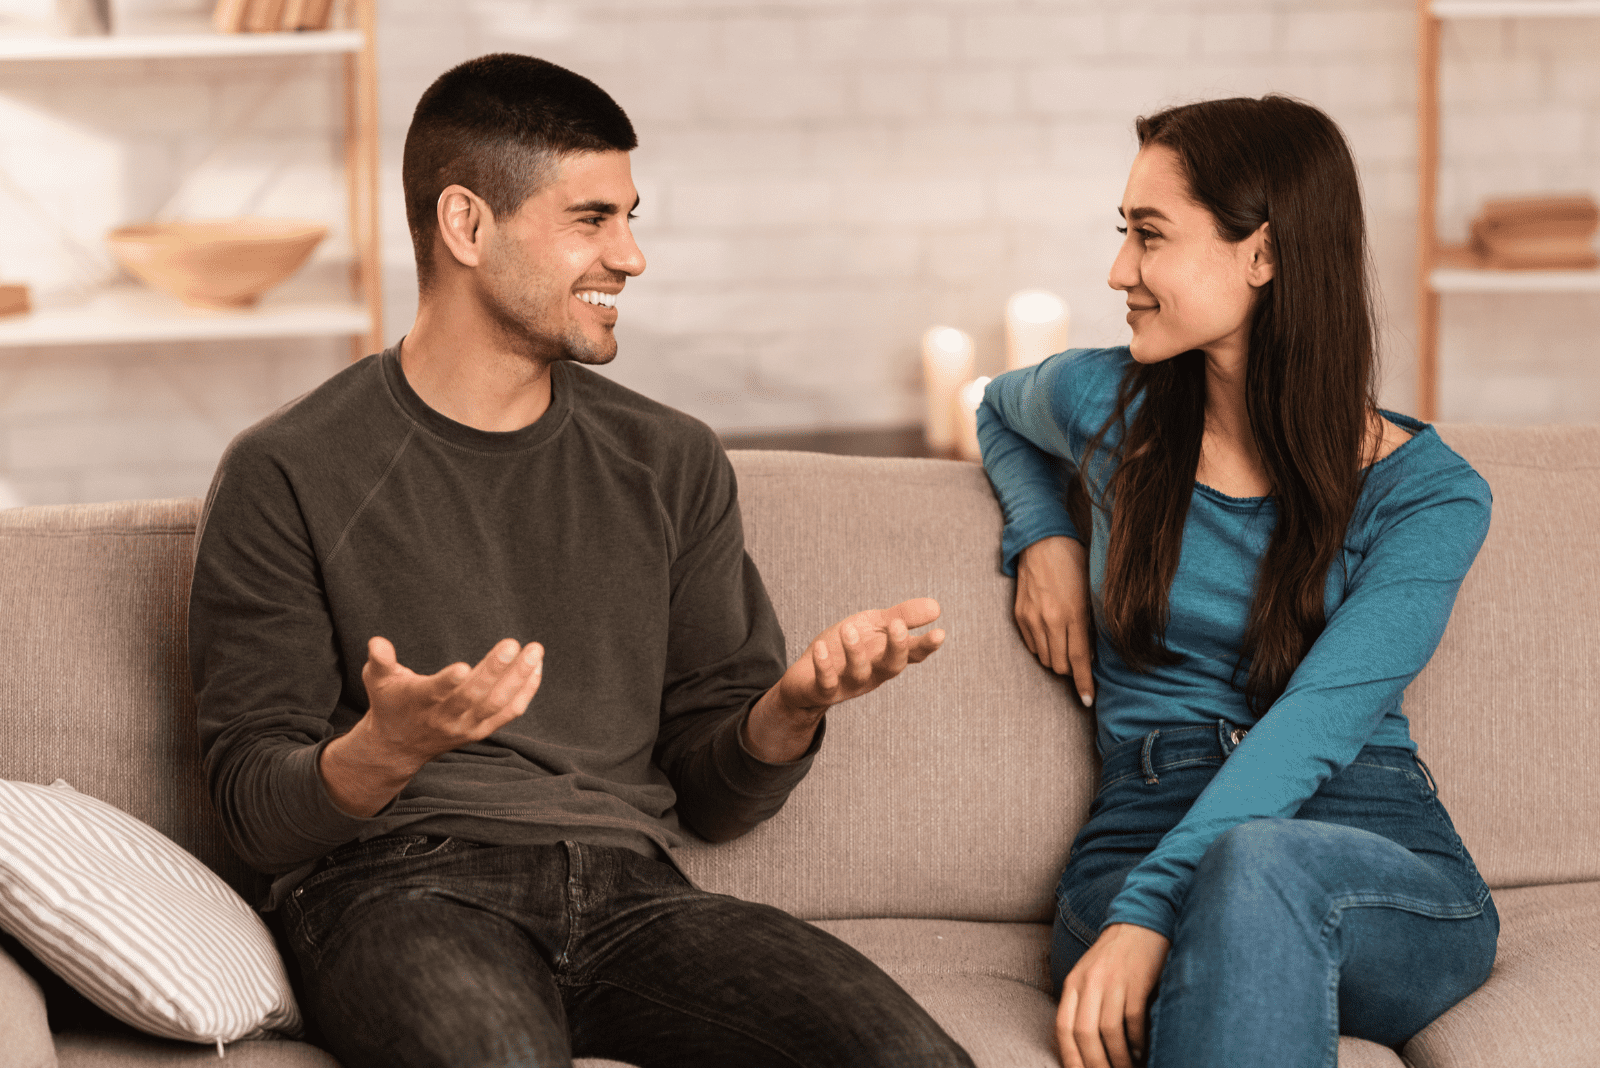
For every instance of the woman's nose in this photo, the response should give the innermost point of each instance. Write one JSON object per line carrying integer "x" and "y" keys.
{"x": 1125, "y": 268}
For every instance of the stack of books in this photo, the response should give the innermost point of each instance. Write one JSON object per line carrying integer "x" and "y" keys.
{"x": 271, "y": 16}
{"x": 1550, "y": 233}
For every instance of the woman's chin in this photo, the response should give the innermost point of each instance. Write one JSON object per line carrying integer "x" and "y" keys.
{"x": 1144, "y": 350}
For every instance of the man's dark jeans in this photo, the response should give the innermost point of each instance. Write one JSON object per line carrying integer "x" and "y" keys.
{"x": 436, "y": 951}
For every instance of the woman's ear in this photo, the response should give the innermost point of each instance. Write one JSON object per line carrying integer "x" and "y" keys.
{"x": 465, "y": 223}
{"x": 1258, "y": 246}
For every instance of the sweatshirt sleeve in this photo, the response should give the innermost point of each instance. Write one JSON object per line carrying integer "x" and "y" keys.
{"x": 1398, "y": 599}
{"x": 725, "y": 649}
{"x": 1024, "y": 431}
{"x": 265, "y": 666}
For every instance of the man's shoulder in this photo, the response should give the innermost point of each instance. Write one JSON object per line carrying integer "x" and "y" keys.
{"x": 644, "y": 430}
{"x": 337, "y": 415}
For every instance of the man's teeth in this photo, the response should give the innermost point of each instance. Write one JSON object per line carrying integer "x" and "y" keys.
{"x": 604, "y": 300}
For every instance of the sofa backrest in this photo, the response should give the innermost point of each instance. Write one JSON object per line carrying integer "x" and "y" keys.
{"x": 94, "y": 686}
{"x": 1507, "y": 714}
{"x": 953, "y": 792}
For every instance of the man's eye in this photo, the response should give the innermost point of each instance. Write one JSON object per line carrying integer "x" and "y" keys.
{"x": 1122, "y": 229}
{"x": 632, "y": 216}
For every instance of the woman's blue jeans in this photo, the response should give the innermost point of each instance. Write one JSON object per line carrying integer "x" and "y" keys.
{"x": 1363, "y": 915}
{"x": 420, "y": 952}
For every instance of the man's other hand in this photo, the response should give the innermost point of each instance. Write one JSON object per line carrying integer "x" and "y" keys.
{"x": 853, "y": 657}
{"x": 413, "y": 718}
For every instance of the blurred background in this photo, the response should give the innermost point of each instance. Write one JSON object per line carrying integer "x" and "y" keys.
{"x": 823, "y": 181}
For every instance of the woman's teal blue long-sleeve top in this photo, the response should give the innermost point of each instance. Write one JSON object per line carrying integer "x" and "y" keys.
{"x": 1420, "y": 520}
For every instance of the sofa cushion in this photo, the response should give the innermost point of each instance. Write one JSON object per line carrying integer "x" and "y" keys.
{"x": 25, "y": 1040}
{"x": 987, "y": 984}
{"x": 1511, "y": 693}
{"x": 952, "y": 792}
{"x": 141, "y": 928}
{"x": 1538, "y": 1007}
{"x": 127, "y": 1051}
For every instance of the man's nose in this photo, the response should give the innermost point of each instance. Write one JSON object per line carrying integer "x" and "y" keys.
{"x": 623, "y": 255}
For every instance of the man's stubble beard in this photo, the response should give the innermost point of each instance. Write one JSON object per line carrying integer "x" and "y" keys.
{"x": 515, "y": 306}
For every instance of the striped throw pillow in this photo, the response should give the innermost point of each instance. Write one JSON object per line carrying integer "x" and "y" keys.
{"x": 135, "y": 923}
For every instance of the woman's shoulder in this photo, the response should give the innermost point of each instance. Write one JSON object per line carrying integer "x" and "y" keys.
{"x": 1423, "y": 472}
{"x": 1083, "y": 385}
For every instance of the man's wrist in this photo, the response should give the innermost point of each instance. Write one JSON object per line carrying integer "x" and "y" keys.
{"x": 360, "y": 773}
{"x": 777, "y": 733}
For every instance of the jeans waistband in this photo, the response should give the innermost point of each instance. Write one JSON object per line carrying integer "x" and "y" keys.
{"x": 1166, "y": 749}
{"x": 1169, "y": 748}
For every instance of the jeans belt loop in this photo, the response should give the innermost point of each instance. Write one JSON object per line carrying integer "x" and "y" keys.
{"x": 1145, "y": 763}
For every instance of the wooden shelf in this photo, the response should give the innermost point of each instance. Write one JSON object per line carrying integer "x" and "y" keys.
{"x": 195, "y": 43}
{"x": 302, "y": 308}
{"x": 129, "y": 312}
{"x": 1514, "y": 9}
{"x": 1478, "y": 280}
{"x": 1436, "y": 275}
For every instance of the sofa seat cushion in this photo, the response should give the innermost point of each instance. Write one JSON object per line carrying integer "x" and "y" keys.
{"x": 1538, "y": 1007}
{"x": 987, "y": 984}
{"x": 126, "y": 1050}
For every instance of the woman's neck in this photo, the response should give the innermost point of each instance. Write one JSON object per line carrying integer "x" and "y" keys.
{"x": 1229, "y": 462}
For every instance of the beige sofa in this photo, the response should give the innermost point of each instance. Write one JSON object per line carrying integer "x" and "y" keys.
{"x": 932, "y": 829}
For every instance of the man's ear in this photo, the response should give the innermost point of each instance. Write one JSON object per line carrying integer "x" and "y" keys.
{"x": 465, "y": 224}
{"x": 1263, "y": 262}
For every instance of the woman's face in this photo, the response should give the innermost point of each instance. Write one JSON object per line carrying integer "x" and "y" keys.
{"x": 1187, "y": 287}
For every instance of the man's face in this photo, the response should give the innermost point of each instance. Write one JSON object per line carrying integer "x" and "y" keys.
{"x": 554, "y": 268}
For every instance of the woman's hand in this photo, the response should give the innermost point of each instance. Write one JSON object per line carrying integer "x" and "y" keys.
{"x": 1105, "y": 1000}
{"x": 1053, "y": 610}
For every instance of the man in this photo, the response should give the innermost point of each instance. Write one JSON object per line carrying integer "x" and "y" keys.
{"x": 474, "y": 635}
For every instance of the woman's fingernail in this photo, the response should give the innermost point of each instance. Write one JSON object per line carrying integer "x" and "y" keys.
{"x": 1088, "y": 699}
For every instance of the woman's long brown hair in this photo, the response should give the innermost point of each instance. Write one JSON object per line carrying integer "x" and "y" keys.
{"x": 1309, "y": 386}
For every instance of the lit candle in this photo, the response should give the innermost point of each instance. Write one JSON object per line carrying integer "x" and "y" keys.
{"x": 1036, "y": 327}
{"x": 967, "y": 401}
{"x": 946, "y": 363}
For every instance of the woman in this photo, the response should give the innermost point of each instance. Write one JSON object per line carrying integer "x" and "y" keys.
{"x": 1271, "y": 560}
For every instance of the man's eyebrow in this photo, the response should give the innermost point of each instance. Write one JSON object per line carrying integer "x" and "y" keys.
{"x": 1140, "y": 214}
{"x": 599, "y": 207}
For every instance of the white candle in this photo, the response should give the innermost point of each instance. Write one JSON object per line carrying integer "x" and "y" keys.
{"x": 947, "y": 357}
{"x": 967, "y": 401}
{"x": 1036, "y": 327}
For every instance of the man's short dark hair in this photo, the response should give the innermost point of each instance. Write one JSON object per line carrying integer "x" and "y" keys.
{"x": 498, "y": 125}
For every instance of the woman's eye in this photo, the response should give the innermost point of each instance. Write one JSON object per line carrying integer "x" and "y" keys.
{"x": 1122, "y": 229}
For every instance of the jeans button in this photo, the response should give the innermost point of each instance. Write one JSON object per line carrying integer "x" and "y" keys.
{"x": 1238, "y": 735}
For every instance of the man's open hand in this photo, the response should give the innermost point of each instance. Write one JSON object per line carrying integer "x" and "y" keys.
{"x": 853, "y": 657}
{"x": 412, "y": 718}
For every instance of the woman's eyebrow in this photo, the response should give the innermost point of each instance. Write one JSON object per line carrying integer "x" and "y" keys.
{"x": 1140, "y": 214}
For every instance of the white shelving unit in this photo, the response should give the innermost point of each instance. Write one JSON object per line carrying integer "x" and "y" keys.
{"x": 1432, "y": 279}
{"x": 126, "y": 313}
{"x": 195, "y": 43}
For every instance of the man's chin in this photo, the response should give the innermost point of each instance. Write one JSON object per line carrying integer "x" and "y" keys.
{"x": 593, "y": 356}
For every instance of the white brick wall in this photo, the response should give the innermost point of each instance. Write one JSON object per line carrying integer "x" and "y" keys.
{"x": 822, "y": 180}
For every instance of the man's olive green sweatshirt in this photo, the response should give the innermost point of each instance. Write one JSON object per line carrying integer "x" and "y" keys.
{"x": 608, "y": 531}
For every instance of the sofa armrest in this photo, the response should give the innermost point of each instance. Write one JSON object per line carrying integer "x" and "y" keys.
{"x": 24, "y": 1024}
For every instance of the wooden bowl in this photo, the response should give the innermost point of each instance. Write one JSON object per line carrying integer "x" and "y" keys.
{"x": 221, "y": 263}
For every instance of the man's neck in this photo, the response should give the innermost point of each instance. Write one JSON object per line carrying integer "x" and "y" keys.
{"x": 475, "y": 380}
